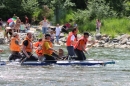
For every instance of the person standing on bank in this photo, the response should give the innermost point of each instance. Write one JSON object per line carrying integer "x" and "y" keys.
{"x": 17, "y": 25}
{"x": 98, "y": 25}
{"x": 27, "y": 48}
{"x": 71, "y": 41}
{"x": 81, "y": 46}
{"x": 44, "y": 24}
{"x": 58, "y": 31}
{"x": 15, "y": 47}
{"x": 26, "y": 19}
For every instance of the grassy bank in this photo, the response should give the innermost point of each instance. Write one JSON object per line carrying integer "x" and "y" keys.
{"x": 111, "y": 26}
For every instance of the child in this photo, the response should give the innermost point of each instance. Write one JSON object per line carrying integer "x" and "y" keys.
{"x": 22, "y": 27}
{"x": 52, "y": 36}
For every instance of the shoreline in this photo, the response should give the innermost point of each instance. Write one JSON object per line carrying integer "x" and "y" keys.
{"x": 120, "y": 41}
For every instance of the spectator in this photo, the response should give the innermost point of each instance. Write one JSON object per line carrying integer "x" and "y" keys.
{"x": 98, "y": 25}
{"x": 14, "y": 16}
{"x": 66, "y": 27}
{"x": 27, "y": 26}
{"x": 22, "y": 27}
{"x": 44, "y": 24}
{"x": 26, "y": 19}
{"x": 1, "y": 24}
{"x": 17, "y": 25}
{"x": 75, "y": 24}
{"x": 58, "y": 31}
{"x": 8, "y": 30}
{"x": 52, "y": 36}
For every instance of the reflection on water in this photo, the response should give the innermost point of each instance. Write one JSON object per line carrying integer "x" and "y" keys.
{"x": 110, "y": 75}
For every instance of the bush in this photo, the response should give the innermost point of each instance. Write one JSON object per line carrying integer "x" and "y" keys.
{"x": 115, "y": 26}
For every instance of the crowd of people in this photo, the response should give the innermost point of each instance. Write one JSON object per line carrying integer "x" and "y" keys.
{"x": 44, "y": 46}
{"x": 14, "y": 24}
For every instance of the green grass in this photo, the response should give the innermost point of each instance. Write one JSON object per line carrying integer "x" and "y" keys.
{"x": 110, "y": 26}
{"x": 116, "y": 26}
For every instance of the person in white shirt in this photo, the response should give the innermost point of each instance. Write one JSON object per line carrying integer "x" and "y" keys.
{"x": 52, "y": 36}
{"x": 71, "y": 41}
{"x": 58, "y": 31}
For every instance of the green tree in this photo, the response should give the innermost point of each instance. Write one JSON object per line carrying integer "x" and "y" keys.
{"x": 29, "y": 5}
{"x": 117, "y": 5}
{"x": 80, "y": 4}
{"x": 60, "y": 6}
{"x": 99, "y": 9}
{"x": 126, "y": 5}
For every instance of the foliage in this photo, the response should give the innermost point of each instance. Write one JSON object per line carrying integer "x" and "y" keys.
{"x": 80, "y": 4}
{"x": 2, "y": 5}
{"x": 114, "y": 26}
{"x": 60, "y": 6}
{"x": 29, "y": 5}
{"x": 126, "y": 6}
{"x": 117, "y": 5}
{"x": 114, "y": 14}
{"x": 99, "y": 9}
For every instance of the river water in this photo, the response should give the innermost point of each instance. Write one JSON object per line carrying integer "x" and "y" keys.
{"x": 111, "y": 75}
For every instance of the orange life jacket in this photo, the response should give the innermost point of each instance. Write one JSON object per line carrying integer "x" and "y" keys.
{"x": 45, "y": 50}
{"x": 13, "y": 45}
{"x": 81, "y": 44}
{"x": 29, "y": 47}
{"x": 68, "y": 42}
{"x": 38, "y": 52}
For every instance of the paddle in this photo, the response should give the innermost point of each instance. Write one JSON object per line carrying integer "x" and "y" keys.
{"x": 25, "y": 58}
{"x": 90, "y": 47}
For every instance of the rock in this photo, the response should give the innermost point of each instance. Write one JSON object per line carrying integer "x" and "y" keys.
{"x": 123, "y": 46}
{"x": 117, "y": 46}
{"x": 106, "y": 45}
{"x": 62, "y": 35}
{"x": 124, "y": 36}
{"x": 2, "y": 41}
{"x": 98, "y": 36}
{"x": 2, "y": 34}
{"x": 128, "y": 42}
{"x": 63, "y": 39}
{"x": 124, "y": 41}
{"x": 115, "y": 40}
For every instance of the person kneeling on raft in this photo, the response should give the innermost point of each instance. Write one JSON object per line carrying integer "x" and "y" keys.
{"x": 80, "y": 47}
{"x": 27, "y": 48}
{"x": 15, "y": 47}
{"x": 48, "y": 50}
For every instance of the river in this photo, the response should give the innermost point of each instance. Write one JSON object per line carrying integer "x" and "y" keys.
{"x": 111, "y": 75}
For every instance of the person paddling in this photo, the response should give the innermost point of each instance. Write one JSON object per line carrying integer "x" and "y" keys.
{"x": 27, "y": 48}
{"x": 48, "y": 50}
{"x": 38, "y": 46}
{"x": 71, "y": 41}
{"x": 81, "y": 46}
{"x": 15, "y": 47}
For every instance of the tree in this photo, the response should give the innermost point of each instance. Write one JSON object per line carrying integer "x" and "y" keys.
{"x": 60, "y": 6}
{"x": 99, "y": 9}
{"x": 117, "y": 5}
{"x": 29, "y": 5}
{"x": 80, "y": 4}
